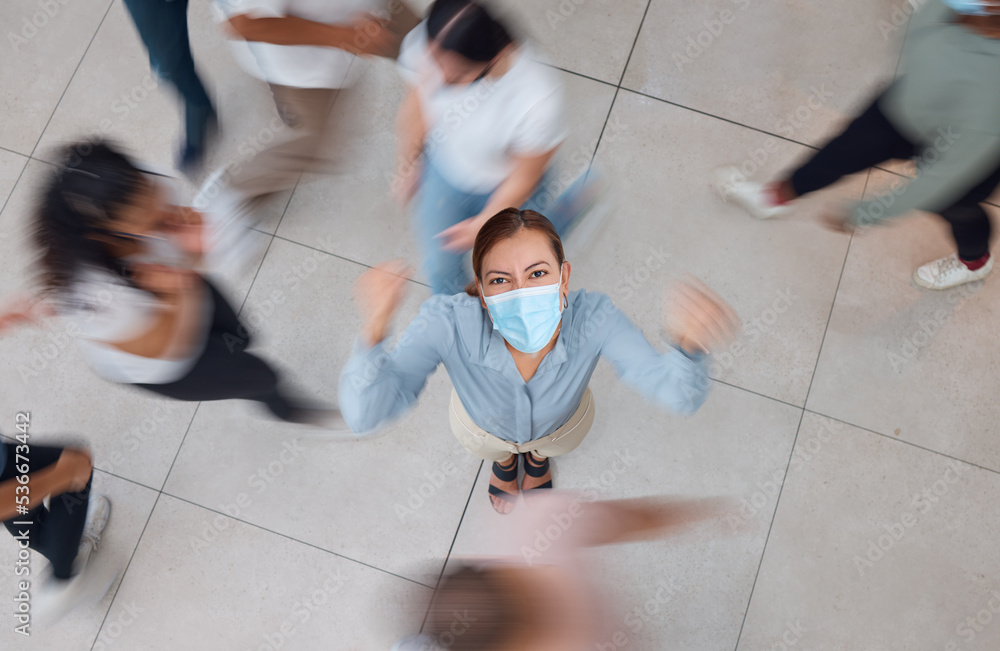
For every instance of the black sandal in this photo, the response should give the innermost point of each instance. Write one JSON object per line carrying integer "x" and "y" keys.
{"x": 504, "y": 473}
{"x": 531, "y": 470}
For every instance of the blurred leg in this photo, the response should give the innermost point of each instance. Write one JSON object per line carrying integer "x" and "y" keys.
{"x": 301, "y": 144}
{"x": 225, "y": 371}
{"x": 438, "y": 206}
{"x": 970, "y": 224}
{"x": 163, "y": 27}
{"x": 869, "y": 140}
{"x": 54, "y": 532}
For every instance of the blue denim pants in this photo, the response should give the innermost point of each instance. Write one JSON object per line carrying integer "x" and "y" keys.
{"x": 163, "y": 27}
{"x": 439, "y": 205}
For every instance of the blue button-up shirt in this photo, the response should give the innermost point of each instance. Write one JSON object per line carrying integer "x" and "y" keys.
{"x": 377, "y": 384}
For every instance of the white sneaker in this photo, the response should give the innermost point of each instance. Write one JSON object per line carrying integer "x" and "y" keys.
{"x": 949, "y": 272}
{"x": 98, "y": 512}
{"x": 230, "y": 219}
{"x": 733, "y": 187}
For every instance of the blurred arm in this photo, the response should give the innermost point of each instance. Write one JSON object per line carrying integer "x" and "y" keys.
{"x": 365, "y": 37}
{"x": 519, "y": 186}
{"x": 70, "y": 472}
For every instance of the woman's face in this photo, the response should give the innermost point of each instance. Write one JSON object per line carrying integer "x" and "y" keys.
{"x": 455, "y": 68}
{"x": 524, "y": 260}
{"x": 147, "y": 211}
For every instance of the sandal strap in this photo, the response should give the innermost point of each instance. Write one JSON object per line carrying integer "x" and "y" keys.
{"x": 505, "y": 474}
{"x": 547, "y": 484}
{"x": 502, "y": 494}
{"x": 532, "y": 470}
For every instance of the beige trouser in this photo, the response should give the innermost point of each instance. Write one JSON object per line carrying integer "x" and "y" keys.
{"x": 302, "y": 143}
{"x": 484, "y": 445}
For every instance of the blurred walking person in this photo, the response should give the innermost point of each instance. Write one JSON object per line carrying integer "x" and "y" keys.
{"x": 541, "y": 594}
{"x": 478, "y": 129}
{"x": 65, "y": 533}
{"x": 120, "y": 261}
{"x": 942, "y": 112}
{"x": 307, "y": 51}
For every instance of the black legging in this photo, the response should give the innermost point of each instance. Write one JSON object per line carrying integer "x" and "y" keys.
{"x": 54, "y": 532}
{"x": 225, "y": 370}
{"x": 871, "y": 139}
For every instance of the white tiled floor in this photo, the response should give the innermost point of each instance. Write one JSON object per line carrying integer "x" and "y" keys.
{"x": 838, "y": 421}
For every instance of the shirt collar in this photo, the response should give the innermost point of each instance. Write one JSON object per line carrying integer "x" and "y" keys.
{"x": 493, "y": 352}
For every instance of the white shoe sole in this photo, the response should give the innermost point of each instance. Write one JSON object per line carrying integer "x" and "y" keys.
{"x": 978, "y": 275}
{"x": 727, "y": 188}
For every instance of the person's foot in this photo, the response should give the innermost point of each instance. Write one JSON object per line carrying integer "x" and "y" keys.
{"x": 230, "y": 218}
{"x": 325, "y": 422}
{"x": 537, "y": 473}
{"x": 949, "y": 272}
{"x": 98, "y": 512}
{"x": 503, "y": 485}
{"x": 756, "y": 198}
{"x": 196, "y": 146}
{"x": 55, "y": 598}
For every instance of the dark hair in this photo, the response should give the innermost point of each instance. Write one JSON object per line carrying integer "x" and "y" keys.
{"x": 81, "y": 196}
{"x": 479, "y": 609}
{"x": 475, "y": 34}
{"x": 504, "y": 225}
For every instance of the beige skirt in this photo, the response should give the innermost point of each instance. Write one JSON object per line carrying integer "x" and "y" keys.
{"x": 484, "y": 445}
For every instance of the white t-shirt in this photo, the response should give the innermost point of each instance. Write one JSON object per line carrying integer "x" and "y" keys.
{"x": 298, "y": 66}
{"x": 473, "y": 130}
{"x": 101, "y": 308}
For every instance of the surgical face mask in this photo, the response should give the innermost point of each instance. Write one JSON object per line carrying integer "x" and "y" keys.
{"x": 527, "y": 317}
{"x": 972, "y": 7}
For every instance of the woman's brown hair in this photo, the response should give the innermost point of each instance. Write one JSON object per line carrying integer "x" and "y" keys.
{"x": 504, "y": 225}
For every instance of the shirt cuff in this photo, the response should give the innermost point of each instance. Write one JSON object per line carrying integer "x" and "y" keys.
{"x": 694, "y": 357}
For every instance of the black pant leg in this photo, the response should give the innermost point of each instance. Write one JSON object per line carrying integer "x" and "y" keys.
{"x": 869, "y": 140}
{"x": 225, "y": 322}
{"x": 223, "y": 374}
{"x": 55, "y": 532}
{"x": 970, "y": 223}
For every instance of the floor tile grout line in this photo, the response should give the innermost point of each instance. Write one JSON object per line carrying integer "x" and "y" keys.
{"x": 121, "y": 578}
{"x": 123, "y": 478}
{"x": 718, "y": 117}
{"x": 756, "y": 393}
{"x": 812, "y": 379}
{"x": 340, "y": 257}
{"x": 71, "y": 77}
{"x": 268, "y": 249}
{"x": 454, "y": 538}
{"x": 256, "y": 274}
{"x": 579, "y": 74}
{"x": 903, "y": 441}
{"x": 770, "y": 527}
{"x": 187, "y": 431}
{"x": 618, "y": 87}
{"x": 638, "y": 31}
{"x": 295, "y": 540}
{"x": 14, "y": 151}
{"x": 14, "y": 187}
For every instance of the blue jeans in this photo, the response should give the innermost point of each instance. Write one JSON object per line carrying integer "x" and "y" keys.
{"x": 163, "y": 27}
{"x": 439, "y": 205}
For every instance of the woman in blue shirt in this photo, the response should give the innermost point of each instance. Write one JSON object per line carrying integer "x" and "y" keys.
{"x": 520, "y": 349}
